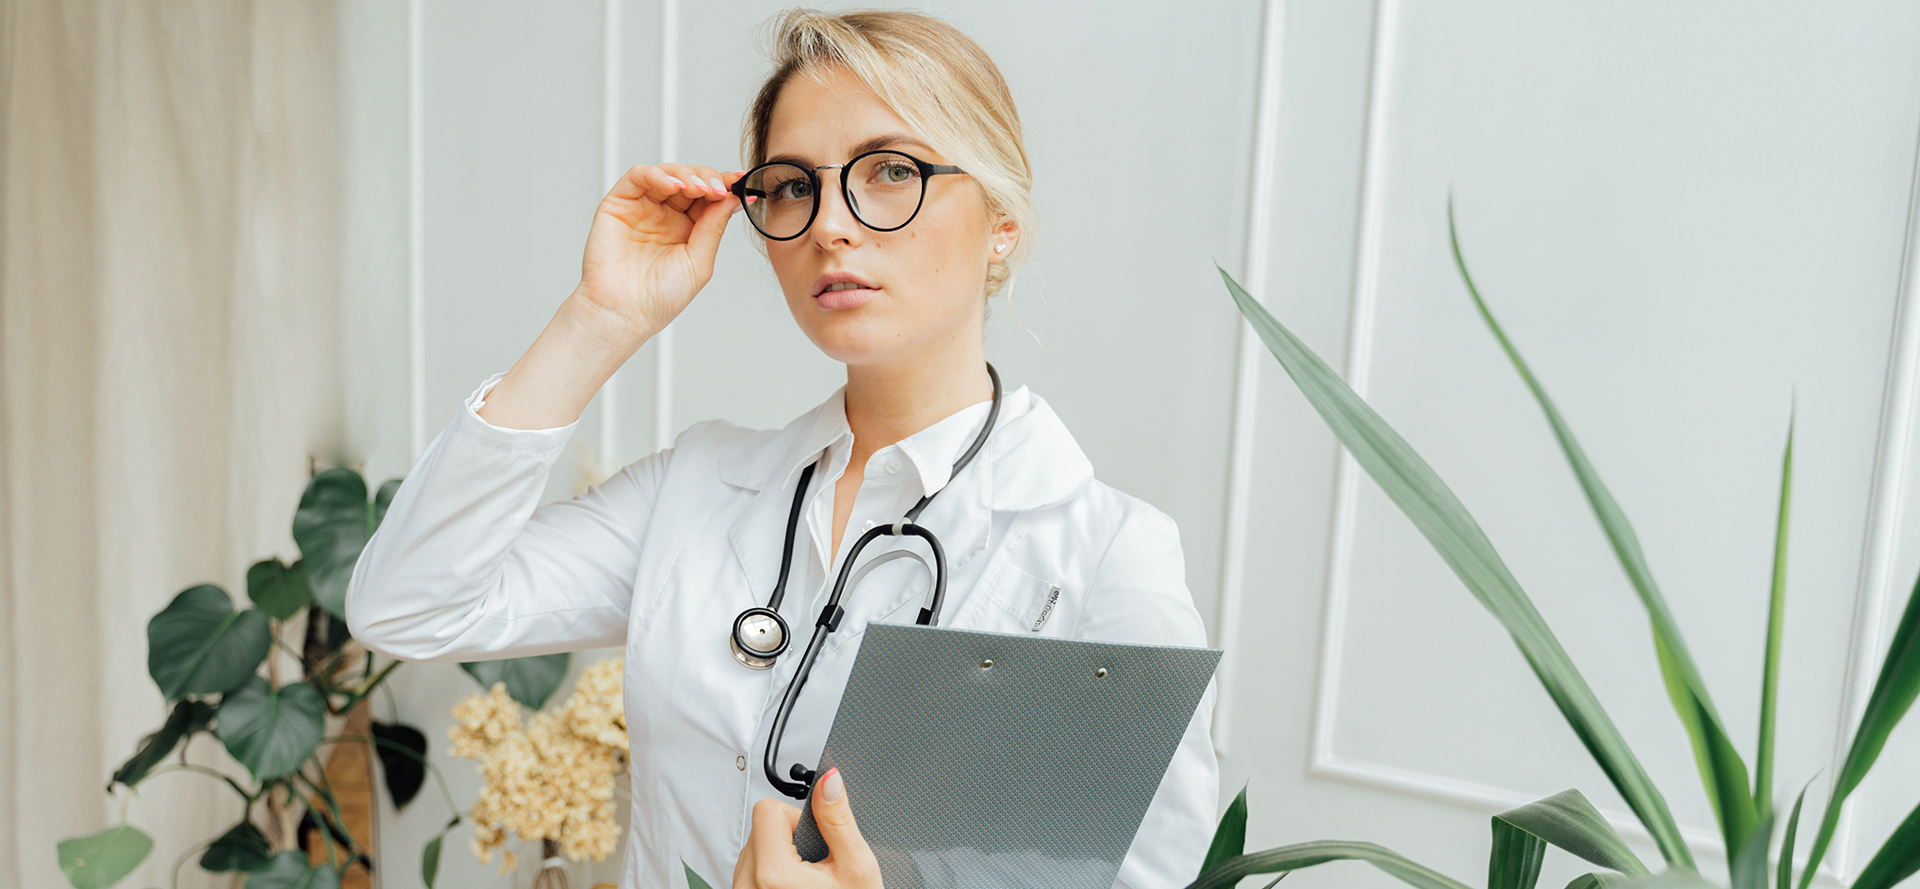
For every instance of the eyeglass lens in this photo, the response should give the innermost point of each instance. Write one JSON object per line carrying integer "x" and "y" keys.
{"x": 884, "y": 190}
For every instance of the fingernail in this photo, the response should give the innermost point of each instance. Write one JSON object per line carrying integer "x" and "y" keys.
{"x": 718, "y": 186}
{"x": 738, "y": 173}
{"x": 832, "y": 788}
{"x": 677, "y": 183}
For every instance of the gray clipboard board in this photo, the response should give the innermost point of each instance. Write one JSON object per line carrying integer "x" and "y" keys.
{"x": 995, "y": 759}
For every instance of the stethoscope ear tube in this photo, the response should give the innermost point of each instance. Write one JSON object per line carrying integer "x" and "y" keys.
{"x": 830, "y": 616}
{"x": 749, "y": 629}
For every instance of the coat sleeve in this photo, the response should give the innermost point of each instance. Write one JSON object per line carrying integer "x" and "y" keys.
{"x": 466, "y": 565}
{"x": 1139, "y": 594}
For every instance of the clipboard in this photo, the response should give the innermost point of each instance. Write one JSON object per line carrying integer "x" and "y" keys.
{"x": 995, "y": 759}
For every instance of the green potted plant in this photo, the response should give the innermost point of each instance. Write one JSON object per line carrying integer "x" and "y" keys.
{"x": 1742, "y": 801}
{"x": 266, "y": 681}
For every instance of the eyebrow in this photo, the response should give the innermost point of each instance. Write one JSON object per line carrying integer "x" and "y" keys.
{"x": 889, "y": 140}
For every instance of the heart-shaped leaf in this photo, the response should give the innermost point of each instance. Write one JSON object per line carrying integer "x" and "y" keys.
{"x": 242, "y": 848}
{"x": 430, "y": 861}
{"x": 403, "y": 757}
{"x": 105, "y": 858}
{"x": 271, "y": 732}
{"x": 187, "y": 717}
{"x": 384, "y": 499}
{"x": 199, "y": 645}
{"x": 289, "y": 870}
{"x": 530, "y": 680}
{"x": 332, "y": 526}
{"x": 280, "y": 590}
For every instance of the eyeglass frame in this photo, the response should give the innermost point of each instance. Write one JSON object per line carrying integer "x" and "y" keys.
{"x": 927, "y": 170}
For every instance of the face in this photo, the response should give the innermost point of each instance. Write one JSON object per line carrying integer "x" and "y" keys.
{"x": 915, "y": 289}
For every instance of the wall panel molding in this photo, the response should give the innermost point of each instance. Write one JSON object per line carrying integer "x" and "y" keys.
{"x": 1246, "y": 376}
{"x": 416, "y": 227}
{"x": 1875, "y": 599}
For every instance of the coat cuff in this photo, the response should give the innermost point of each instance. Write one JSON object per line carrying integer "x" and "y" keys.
{"x": 500, "y": 438}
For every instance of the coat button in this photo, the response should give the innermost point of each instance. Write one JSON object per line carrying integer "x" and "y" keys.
{"x": 740, "y": 762}
{"x": 893, "y": 466}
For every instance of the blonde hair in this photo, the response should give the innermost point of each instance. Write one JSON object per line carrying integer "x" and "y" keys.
{"x": 937, "y": 79}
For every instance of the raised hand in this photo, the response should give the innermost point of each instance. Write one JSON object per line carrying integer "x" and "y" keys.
{"x": 650, "y": 249}
{"x": 652, "y": 244}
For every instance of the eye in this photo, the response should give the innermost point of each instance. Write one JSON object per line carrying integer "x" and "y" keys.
{"x": 793, "y": 190}
{"x": 896, "y": 172}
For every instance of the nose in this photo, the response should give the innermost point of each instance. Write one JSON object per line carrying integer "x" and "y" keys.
{"x": 835, "y": 223}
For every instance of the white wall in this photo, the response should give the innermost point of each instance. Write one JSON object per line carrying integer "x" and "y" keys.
{"x": 1687, "y": 219}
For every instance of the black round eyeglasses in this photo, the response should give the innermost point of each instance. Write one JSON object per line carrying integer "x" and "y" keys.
{"x": 883, "y": 188}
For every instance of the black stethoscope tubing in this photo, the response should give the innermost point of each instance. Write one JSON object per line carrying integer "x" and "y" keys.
{"x": 831, "y": 612}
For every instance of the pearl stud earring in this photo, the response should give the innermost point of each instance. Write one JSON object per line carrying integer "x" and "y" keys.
{"x": 999, "y": 248}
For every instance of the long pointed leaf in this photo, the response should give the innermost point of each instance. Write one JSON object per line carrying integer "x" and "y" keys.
{"x": 1898, "y": 858}
{"x": 1784, "y": 880}
{"x": 693, "y": 880}
{"x": 1567, "y": 820}
{"x": 1440, "y": 517}
{"x": 1776, "y": 625}
{"x": 1597, "y": 881}
{"x": 1230, "y": 839}
{"x": 1514, "y": 861}
{"x": 1893, "y": 694}
{"x": 1229, "y": 873}
{"x": 1749, "y": 867}
{"x": 1721, "y": 768}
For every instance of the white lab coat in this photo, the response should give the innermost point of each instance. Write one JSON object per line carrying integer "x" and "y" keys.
{"x": 661, "y": 557}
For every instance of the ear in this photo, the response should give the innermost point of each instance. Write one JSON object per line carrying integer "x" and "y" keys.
{"x": 1004, "y": 237}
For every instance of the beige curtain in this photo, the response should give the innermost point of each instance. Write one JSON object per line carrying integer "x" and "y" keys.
{"x": 169, "y": 265}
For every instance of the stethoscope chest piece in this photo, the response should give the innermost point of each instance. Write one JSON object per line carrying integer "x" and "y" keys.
{"x": 759, "y": 636}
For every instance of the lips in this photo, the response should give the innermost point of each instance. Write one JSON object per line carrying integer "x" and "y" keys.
{"x": 832, "y": 290}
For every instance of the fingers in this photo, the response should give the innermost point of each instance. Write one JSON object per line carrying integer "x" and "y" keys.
{"x": 710, "y": 220}
{"x": 679, "y": 186}
{"x": 847, "y": 851}
{"x": 771, "y": 841}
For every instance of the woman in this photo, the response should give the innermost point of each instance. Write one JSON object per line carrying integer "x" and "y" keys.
{"x": 887, "y": 264}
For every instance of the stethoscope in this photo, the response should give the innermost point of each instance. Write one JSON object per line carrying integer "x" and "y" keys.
{"x": 760, "y": 635}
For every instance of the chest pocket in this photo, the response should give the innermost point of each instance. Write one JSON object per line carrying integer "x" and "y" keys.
{"x": 1020, "y": 603}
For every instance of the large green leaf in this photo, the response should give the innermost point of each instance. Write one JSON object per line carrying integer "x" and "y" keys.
{"x": 332, "y": 526}
{"x": 1776, "y": 627}
{"x": 1229, "y": 873}
{"x": 199, "y": 645}
{"x": 1749, "y": 866}
{"x": 278, "y": 589}
{"x": 1898, "y": 858}
{"x": 1721, "y": 769}
{"x": 269, "y": 731}
{"x": 1893, "y": 694}
{"x": 290, "y": 870}
{"x": 693, "y": 879}
{"x": 1230, "y": 838}
{"x": 1567, "y": 820}
{"x": 105, "y": 858}
{"x": 530, "y": 680}
{"x": 1597, "y": 880}
{"x": 243, "y": 847}
{"x": 403, "y": 760}
{"x": 1515, "y": 858}
{"x": 1445, "y": 522}
{"x": 186, "y": 718}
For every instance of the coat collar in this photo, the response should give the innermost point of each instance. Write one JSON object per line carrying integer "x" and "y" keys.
{"x": 1030, "y": 459}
